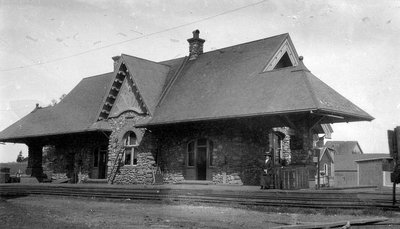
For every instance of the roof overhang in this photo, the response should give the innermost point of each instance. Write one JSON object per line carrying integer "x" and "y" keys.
{"x": 48, "y": 137}
{"x": 327, "y": 117}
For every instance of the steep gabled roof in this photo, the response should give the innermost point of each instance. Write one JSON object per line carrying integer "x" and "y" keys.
{"x": 343, "y": 147}
{"x": 77, "y": 112}
{"x": 149, "y": 78}
{"x": 328, "y": 152}
{"x": 231, "y": 83}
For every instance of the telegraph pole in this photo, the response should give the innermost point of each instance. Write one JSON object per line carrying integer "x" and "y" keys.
{"x": 394, "y": 149}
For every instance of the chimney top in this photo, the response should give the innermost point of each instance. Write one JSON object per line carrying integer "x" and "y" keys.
{"x": 116, "y": 61}
{"x": 196, "y": 33}
{"x": 116, "y": 58}
{"x": 195, "y": 45}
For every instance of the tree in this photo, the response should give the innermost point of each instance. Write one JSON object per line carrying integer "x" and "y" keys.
{"x": 20, "y": 158}
{"x": 55, "y": 101}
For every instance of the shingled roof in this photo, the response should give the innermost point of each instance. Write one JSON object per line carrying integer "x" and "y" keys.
{"x": 76, "y": 113}
{"x": 231, "y": 83}
{"x": 149, "y": 77}
{"x": 349, "y": 162}
{"x": 225, "y": 83}
{"x": 343, "y": 147}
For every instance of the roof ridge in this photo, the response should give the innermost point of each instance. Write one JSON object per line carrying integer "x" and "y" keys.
{"x": 171, "y": 82}
{"x": 151, "y": 61}
{"x": 245, "y": 43}
{"x": 88, "y": 77}
{"x": 249, "y": 42}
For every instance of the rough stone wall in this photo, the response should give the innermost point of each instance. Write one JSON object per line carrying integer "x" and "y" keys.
{"x": 286, "y": 152}
{"x": 301, "y": 146}
{"x": 238, "y": 151}
{"x": 223, "y": 178}
{"x": 73, "y": 160}
{"x": 143, "y": 172}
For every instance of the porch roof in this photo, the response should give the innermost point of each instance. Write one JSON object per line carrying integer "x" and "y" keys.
{"x": 76, "y": 113}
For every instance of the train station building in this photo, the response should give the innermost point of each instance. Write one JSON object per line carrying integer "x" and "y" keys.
{"x": 206, "y": 117}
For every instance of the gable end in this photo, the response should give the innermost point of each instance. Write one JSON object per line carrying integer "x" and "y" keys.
{"x": 286, "y": 56}
{"x": 114, "y": 104}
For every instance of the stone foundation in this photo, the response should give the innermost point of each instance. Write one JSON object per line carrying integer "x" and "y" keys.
{"x": 173, "y": 178}
{"x": 142, "y": 173}
{"x": 223, "y": 178}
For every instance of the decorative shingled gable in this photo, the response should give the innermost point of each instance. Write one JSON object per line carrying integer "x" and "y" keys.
{"x": 285, "y": 53}
{"x": 123, "y": 96}
{"x": 126, "y": 100}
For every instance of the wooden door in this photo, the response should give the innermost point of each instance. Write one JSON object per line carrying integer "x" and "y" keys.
{"x": 201, "y": 163}
{"x": 102, "y": 164}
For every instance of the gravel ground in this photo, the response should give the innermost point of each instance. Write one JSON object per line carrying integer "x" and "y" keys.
{"x": 67, "y": 212}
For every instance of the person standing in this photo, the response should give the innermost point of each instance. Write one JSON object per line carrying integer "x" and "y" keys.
{"x": 266, "y": 174}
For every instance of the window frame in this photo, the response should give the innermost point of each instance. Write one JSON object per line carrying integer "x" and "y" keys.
{"x": 131, "y": 148}
{"x": 209, "y": 145}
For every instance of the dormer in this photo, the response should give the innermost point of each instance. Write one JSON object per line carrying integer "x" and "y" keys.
{"x": 285, "y": 56}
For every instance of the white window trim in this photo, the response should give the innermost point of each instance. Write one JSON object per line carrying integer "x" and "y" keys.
{"x": 285, "y": 47}
{"x": 130, "y": 147}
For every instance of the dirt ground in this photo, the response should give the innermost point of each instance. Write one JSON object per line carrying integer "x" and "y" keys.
{"x": 67, "y": 212}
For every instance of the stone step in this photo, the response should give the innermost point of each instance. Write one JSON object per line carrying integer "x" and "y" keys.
{"x": 96, "y": 181}
{"x": 196, "y": 182}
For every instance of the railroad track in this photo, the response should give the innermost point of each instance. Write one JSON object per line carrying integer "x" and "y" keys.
{"x": 303, "y": 199}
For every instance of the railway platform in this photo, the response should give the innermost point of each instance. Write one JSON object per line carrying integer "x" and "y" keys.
{"x": 356, "y": 198}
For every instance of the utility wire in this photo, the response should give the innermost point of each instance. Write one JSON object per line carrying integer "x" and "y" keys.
{"x": 133, "y": 39}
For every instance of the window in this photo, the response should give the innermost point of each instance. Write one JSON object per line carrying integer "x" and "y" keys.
{"x": 200, "y": 150}
{"x": 96, "y": 158}
{"x": 210, "y": 152}
{"x": 191, "y": 153}
{"x": 284, "y": 62}
{"x": 130, "y": 142}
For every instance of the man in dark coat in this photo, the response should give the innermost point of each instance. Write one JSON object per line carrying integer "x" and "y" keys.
{"x": 266, "y": 174}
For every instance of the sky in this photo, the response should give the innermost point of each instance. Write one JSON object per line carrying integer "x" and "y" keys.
{"x": 47, "y": 47}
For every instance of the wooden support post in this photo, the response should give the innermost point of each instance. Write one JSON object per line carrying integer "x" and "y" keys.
{"x": 394, "y": 193}
{"x": 318, "y": 169}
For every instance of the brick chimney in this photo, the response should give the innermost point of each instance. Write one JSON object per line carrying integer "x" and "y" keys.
{"x": 116, "y": 62}
{"x": 195, "y": 45}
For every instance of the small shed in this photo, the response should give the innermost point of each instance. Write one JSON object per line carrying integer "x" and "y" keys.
{"x": 371, "y": 171}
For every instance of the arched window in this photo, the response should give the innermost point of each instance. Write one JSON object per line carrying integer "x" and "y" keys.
{"x": 326, "y": 169}
{"x": 200, "y": 150}
{"x": 130, "y": 142}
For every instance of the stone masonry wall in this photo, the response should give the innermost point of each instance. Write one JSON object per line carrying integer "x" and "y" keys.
{"x": 286, "y": 152}
{"x": 238, "y": 151}
{"x": 143, "y": 172}
{"x": 74, "y": 160}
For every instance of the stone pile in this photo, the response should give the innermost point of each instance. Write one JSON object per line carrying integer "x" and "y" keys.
{"x": 223, "y": 178}
{"x": 173, "y": 177}
{"x": 58, "y": 176}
